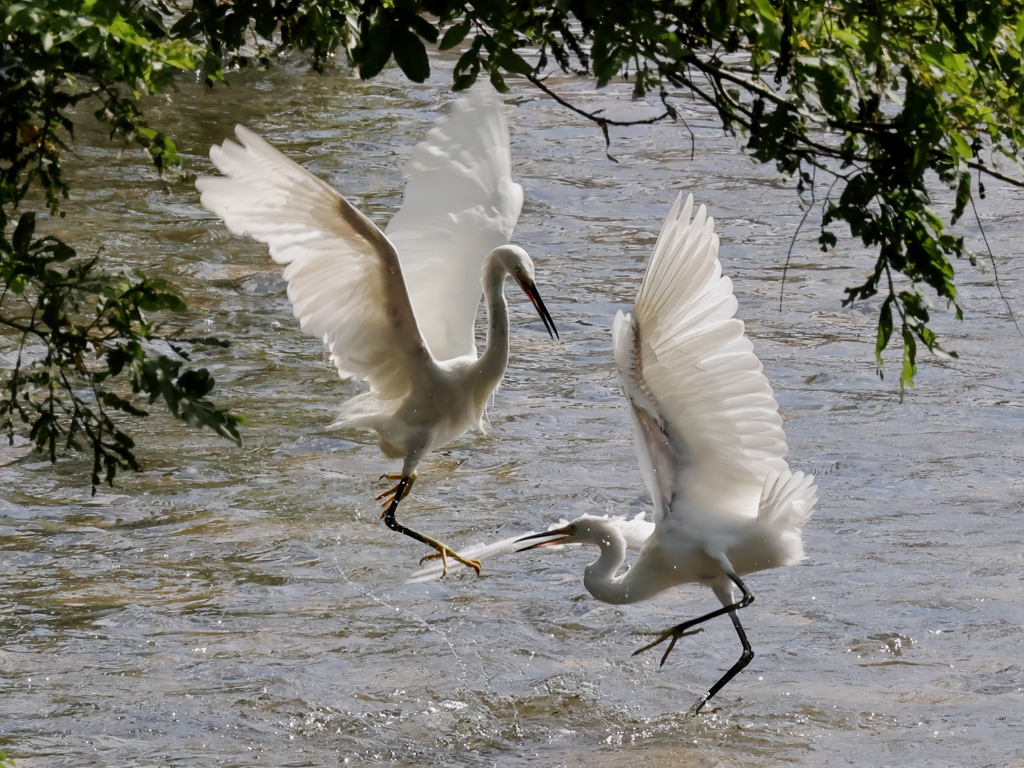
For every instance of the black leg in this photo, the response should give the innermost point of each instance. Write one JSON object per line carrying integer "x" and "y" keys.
{"x": 745, "y": 657}
{"x": 680, "y": 629}
{"x": 389, "y": 515}
{"x": 391, "y": 522}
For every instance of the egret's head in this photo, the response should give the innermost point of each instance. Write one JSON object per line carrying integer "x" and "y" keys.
{"x": 553, "y": 538}
{"x": 519, "y": 265}
{"x": 584, "y": 530}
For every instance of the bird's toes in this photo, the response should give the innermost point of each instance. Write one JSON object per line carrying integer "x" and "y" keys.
{"x": 664, "y": 636}
{"x": 698, "y": 708}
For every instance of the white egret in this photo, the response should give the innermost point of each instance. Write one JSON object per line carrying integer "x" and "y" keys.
{"x": 397, "y": 310}
{"x": 709, "y": 439}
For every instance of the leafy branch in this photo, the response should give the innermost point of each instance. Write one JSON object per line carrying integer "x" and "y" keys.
{"x": 84, "y": 345}
{"x": 83, "y": 340}
{"x": 879, "y": 97}
{"x": 876, "y": 99}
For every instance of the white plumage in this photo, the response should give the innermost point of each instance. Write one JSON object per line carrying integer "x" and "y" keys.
{"x": 396, "y": 310}
{"x": 460, "y": 203}
{"x": 708, "y": 438}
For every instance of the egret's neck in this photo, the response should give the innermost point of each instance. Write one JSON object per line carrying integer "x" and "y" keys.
{"x": 491, "y": 366}
{"x": 599, "y": 577}
{"x": 636, "y": 584}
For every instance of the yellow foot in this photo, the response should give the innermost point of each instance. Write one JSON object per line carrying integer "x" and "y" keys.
{"x": 443, "y": 551}
{"x": 388, "y": 497}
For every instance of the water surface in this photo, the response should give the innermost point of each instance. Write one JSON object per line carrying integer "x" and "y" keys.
{"x": 244, "y": 607}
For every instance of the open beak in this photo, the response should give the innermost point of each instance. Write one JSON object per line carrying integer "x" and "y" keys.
{"x": 530, "y": 289}
{"x": 550, "y": 538}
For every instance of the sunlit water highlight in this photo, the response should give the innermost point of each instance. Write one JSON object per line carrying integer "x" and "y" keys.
{"x": 245, "y": 607}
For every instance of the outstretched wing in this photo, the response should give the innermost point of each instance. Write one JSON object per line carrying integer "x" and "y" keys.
{"x": 635, "y": 530}
{"x": 460, "y": 204}
{"x": 344, "y": 278}
{"x": 708, "y": 430}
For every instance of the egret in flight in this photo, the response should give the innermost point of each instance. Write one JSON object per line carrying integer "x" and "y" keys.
{"x": 397, "y": 310}
{"x": 710, "y": 443}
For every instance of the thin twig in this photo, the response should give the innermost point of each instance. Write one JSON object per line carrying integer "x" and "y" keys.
{"x": 602, "y": 122}
{"x": 995, "y": 174}
{"x": 680, "y": 118}
{"x": 592, "y": 115}
{"x": 995, "y": 271}
{"x": 789, "y": 253}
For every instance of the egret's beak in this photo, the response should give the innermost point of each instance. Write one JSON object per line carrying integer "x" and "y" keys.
{"x": 530, "y": 289}
{"x": 551, "y": 538}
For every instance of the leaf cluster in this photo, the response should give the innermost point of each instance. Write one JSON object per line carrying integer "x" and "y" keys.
{"x": 83, "y": 342}
{"x": 58, "y": 54}
{"x": 874, "y": 102}
{"x": 881, "y": 100}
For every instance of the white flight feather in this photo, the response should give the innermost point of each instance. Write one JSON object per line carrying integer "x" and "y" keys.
{"x": 387, "y": 307}
{"x": 707, "y": 432}
{"x": 685, "y": 365}
{"x": 344, "y": 278}
{"x": 460, "y": 203}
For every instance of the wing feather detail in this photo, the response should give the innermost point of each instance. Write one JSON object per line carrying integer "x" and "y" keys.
{"x": 695, "y": 374}
{"x": 345, "y": 281}
{"x": 460, "y": 203}
{"x": 787, "y": 500}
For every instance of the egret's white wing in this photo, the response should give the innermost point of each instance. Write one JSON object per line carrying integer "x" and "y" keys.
{"x": 344, "y": 278}
{"x": 707, "y": 425}
{"x": 635, "y": 530}
{"x": 787, "y": 500}
{"x": 460, "y": 203}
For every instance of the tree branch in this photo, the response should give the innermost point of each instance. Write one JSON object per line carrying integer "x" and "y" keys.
{"x": 593, "y": 116}
{"x": 994, "y": 173}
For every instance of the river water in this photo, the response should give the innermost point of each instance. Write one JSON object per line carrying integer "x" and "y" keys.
{"x": 245, "y": 606}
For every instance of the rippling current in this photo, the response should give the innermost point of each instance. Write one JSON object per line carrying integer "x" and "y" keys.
{"x": 245, "y": 606}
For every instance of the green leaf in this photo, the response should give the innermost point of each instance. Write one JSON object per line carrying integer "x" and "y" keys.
{"x": 411, "y": 56}
{"x": 112, "y": 400}
{"x": 513, "y": 62}
{"x": 186, "y": 26}
{"x": 455, "y": 34}
{"x": 375, "y": 51}
{"x": 498, "y": 81}
{"x": 58, "y": 250}
{"x": 884, "y": 330}
{"x": 424, "y": 29}
{"x": 196, "y": 383}
{"x": 963, "y": 149}
{"x": 467, "y": 68}
{"x": 23, "y": 233}
{"x": 909, "y": 359}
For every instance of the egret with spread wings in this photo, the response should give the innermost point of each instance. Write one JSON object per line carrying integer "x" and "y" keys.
{"x": 397, "y": 310}
{"x": 709, "y": 439}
